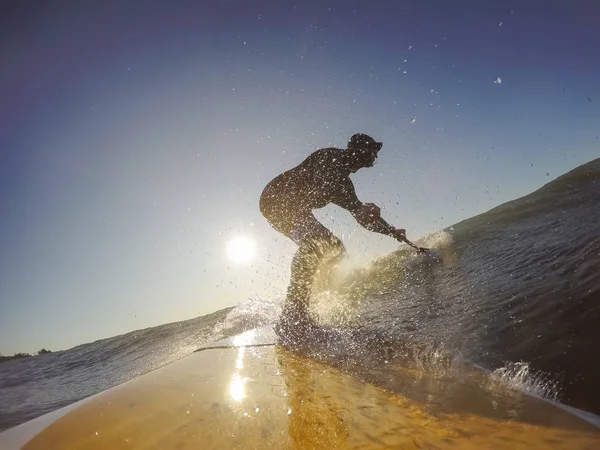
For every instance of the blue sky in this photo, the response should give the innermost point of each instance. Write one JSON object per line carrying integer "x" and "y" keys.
{"x": 136, "y": 139}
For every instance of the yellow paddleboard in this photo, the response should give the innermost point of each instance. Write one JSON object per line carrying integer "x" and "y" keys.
{"x": 248, "y": 392}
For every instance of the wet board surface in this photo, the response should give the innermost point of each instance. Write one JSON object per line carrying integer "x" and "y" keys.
{"x": 247, "y": 392}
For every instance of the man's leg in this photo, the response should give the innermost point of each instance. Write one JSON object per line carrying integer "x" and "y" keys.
{"x": 317, "y": 245}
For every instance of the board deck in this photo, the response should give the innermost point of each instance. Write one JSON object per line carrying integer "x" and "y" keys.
{"x": 248, "y": 392}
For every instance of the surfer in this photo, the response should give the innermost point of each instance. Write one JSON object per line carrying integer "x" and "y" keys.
{"x": 287, "y": 203}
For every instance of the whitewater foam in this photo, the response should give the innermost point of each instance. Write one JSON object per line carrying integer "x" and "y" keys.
{"x": 251, "y": 313}
{"x": 520, "y": 376}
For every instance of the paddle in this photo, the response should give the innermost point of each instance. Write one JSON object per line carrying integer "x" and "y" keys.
{"x": 417, "y": 248}
{"x": 386, "y": 228}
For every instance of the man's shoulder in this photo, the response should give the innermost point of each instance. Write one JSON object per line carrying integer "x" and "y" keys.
{"x": 328, "y": 163}
{"x": 330, "y": 150}
{"x": 327, "y": 154}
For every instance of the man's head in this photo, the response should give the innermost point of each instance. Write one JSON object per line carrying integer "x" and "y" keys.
{"x": 363, "y": 150}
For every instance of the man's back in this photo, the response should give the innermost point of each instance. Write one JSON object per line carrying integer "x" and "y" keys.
{"x": 312, "y": 184}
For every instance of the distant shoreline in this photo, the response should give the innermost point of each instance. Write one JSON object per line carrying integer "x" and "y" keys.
{"x": 22, "y": 355}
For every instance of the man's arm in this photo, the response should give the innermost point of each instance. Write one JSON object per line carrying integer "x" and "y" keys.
{"x": 369, "y": 217}
{"x": 374, "y": 222}
{"x": 366, "y": 214}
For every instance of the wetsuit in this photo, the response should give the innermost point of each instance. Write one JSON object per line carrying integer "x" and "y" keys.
{"x": 287, "y": 203}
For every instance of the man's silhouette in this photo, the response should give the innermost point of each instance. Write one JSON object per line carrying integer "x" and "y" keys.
{"x": 287, "y": 203}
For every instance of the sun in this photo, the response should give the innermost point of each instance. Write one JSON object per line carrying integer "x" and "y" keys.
{"x": 241, "y": 249}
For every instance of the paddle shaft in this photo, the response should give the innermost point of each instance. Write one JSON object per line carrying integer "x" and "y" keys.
{"x": 386, "y": 228}
{"x": 416, "y": 247}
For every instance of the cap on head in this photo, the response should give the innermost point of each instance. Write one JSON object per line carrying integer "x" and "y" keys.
{"x": 364, "y": 142}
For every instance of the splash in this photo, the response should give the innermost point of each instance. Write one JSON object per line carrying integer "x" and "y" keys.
{"x": 339, "y": 294}
{"x": 438, "y": 240}
{"x": 251, "y": 313}
{"x": 521, "y": 377}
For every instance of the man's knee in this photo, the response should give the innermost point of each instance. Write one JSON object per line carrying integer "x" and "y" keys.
{"x": 331, "y": 247}
{"x": 314, "y": 252}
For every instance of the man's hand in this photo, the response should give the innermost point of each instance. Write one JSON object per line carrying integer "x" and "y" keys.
{"x": 400, "y": 234}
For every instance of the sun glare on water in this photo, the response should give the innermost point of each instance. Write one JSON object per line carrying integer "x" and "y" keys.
{"x": 241, "y": 249}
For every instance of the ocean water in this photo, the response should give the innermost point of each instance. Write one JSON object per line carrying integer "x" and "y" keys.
{"x": 514, "y": 291}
